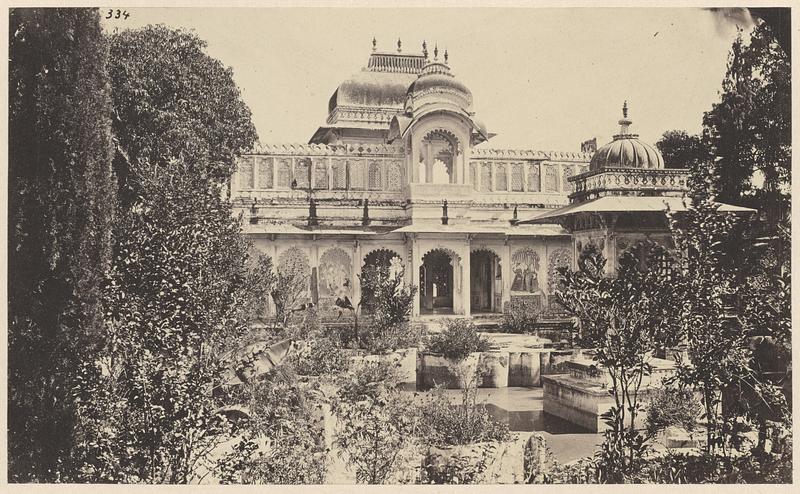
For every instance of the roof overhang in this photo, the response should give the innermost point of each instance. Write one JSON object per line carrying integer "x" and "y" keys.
{"x": 401, "y": 125}
{"x": 626, "y": 204}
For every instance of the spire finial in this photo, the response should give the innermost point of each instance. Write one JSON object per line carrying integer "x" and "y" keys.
{"x": 374, "y": 44}
{"x": 625, "y": 122}
{"x": 425, "y": 49}
{"x": 399, "y": 45}
{"x": 445, "y": 56}
{"x": 436, "y": 51}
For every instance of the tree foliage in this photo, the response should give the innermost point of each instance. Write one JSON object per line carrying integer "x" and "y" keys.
{"x": 749, "y": 130}
{"x": 184, "y": 282}
{"x": 173, "y": 102}
{"x": 682, "y": 150}
{"x": 625, "y": 318}
{"x": 61, "y": 207}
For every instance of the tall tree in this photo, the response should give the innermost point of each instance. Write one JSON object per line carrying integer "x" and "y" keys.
{"x": 61, "y": 204}
{"x": 749, "y": 130}
{"x": 182, "y": 287}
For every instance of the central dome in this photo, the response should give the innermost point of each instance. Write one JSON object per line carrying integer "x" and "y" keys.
{"x": 626, "y": 150}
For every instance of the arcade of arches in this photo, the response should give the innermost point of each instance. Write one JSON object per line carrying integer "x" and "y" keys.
{"x": 453, "y": 278}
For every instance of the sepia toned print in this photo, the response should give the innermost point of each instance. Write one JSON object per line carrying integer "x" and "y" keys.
{"x": 495, "y": 246}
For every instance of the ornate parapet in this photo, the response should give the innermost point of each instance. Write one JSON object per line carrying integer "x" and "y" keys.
{"x": 363, "y": 149}
{"x": 626, "y": 181}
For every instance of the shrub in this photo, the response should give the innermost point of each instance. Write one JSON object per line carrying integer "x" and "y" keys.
{"x": 280, "y": 443}
{"x": 319, "y": 357}
{"x": 379, "y": 339}
{"x": 520, "y": 315}
{"x": 447, "y": 424}
{"x": 458, "y": 339}
{"x": 672, "y": 407}
{"x": 457, "y": 468}
{"x": 377, "y": 422}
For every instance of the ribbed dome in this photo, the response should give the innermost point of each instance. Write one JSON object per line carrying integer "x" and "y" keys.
{"x": 438, "y": 81}
{"x": 626, "y": 150}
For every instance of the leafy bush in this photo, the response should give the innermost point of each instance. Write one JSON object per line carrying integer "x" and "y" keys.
{"x": 377, "y": 422}
{"x": 520, "y": 315}
{"x": 281, "y": 442}
{"x": 383, "y": 339}
{"x": 319, "y": 357}
{"x": 458, "y": 339}
{"x": 447, "y": 424}
{"x": 669, "y": 406}
{"x": 457, "y": 468}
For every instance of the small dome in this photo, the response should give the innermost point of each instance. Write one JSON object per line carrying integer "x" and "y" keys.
{"x": 626, "y": 150}
{"x": 436, "y": 84}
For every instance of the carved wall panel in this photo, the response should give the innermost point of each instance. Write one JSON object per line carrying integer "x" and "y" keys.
{"x": 357, "y": 174}
{"x": 501, "y": 183}
{"x": 246, "y": 173}
{"x": 550, "y": 179}
{"x": 395, "y": 176}
{"x": 320, "y": 174}
{"x": 335, "y": 274}
{"x": 517, "y": 177}
{"x": 265, "y": 173}
{"x": 533, "y": 177}
{"x": 284, "y": 173}
{"x": 302, "y": 172}
{"x": 486, "y": 177}
{"x": 375, "y": 176}
{"x": 525, "y": 271}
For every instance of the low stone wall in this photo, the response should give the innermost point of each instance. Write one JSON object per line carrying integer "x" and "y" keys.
{"x": 406, "y": 360}
{"x": 504, "y": 460}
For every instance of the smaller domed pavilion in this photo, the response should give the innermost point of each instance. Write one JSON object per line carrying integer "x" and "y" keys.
{"x": 623, "y": 199}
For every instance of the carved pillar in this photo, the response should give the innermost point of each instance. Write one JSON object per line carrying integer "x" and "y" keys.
{"x": 356, "y": 275}
{"x": 508, "y": 276}
{"x": 414, "y": 265}
{"x": 428, "y": 163}
{"x": 466, "y": 280}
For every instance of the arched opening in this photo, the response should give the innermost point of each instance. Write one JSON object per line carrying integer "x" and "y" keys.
{"x": 486, "y": 282}
{"x": 437, "y": 158}
{"x": 383, "y": 263}
{"x": 436, "y": 283}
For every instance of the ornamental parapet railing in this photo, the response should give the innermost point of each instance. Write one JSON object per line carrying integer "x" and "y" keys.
{"x": 368, "y": 115}
{"x": 532, "y": 154}
{"x": 595, "y": 183}
{"x": 299, "y": 149}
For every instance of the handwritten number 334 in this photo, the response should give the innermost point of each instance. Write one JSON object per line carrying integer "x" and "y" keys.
{"x": 116, "y": 14}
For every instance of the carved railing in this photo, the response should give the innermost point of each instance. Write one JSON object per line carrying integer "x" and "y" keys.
{"x": 629, "y": 179}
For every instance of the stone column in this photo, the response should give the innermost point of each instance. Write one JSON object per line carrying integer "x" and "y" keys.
{"x": 356, "y": 275}
{"x": 466, "y": 280}
{"x": 508, "y": 276}
{"x": 428, "y": 163}
{"x": 416, "y": 262}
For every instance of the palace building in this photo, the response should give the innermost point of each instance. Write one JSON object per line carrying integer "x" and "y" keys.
{"x": 394, "y": 176}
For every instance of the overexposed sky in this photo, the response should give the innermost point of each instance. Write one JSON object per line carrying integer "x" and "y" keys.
{"x": 541, "y": 78}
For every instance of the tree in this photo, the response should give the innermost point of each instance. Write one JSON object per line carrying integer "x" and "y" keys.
{"x": 749, "y": 130}
{"x": 173, "y": 102}
{"x": 681, "y": 150}
{"x": 626, "y": 318}
{"x": 389, "y": 301}
{"x": 61, "y": 207}
{"x": 712, "y": 251}
{"x": 180, "y": 295}
{"x": 182, "y": 288}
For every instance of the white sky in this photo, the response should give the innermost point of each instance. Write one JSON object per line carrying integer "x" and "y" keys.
{"x": 540, "y": 78}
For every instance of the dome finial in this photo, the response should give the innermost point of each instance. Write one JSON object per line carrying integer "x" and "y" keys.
{"x": 399, "y": 45}
{"x": 445, "y": 56}
{"x": 436, "y": 51}
{"x": 425, "y": 49}
{"x": 625, "y": 122}
{"x": 374, "y": 44}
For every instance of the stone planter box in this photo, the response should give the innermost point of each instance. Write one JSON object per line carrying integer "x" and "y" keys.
{"x": 504, "y": 465}
{"x": 434, "y": 369}
{"x": 496, "y": 369}
{"x": 405, "y": 359}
